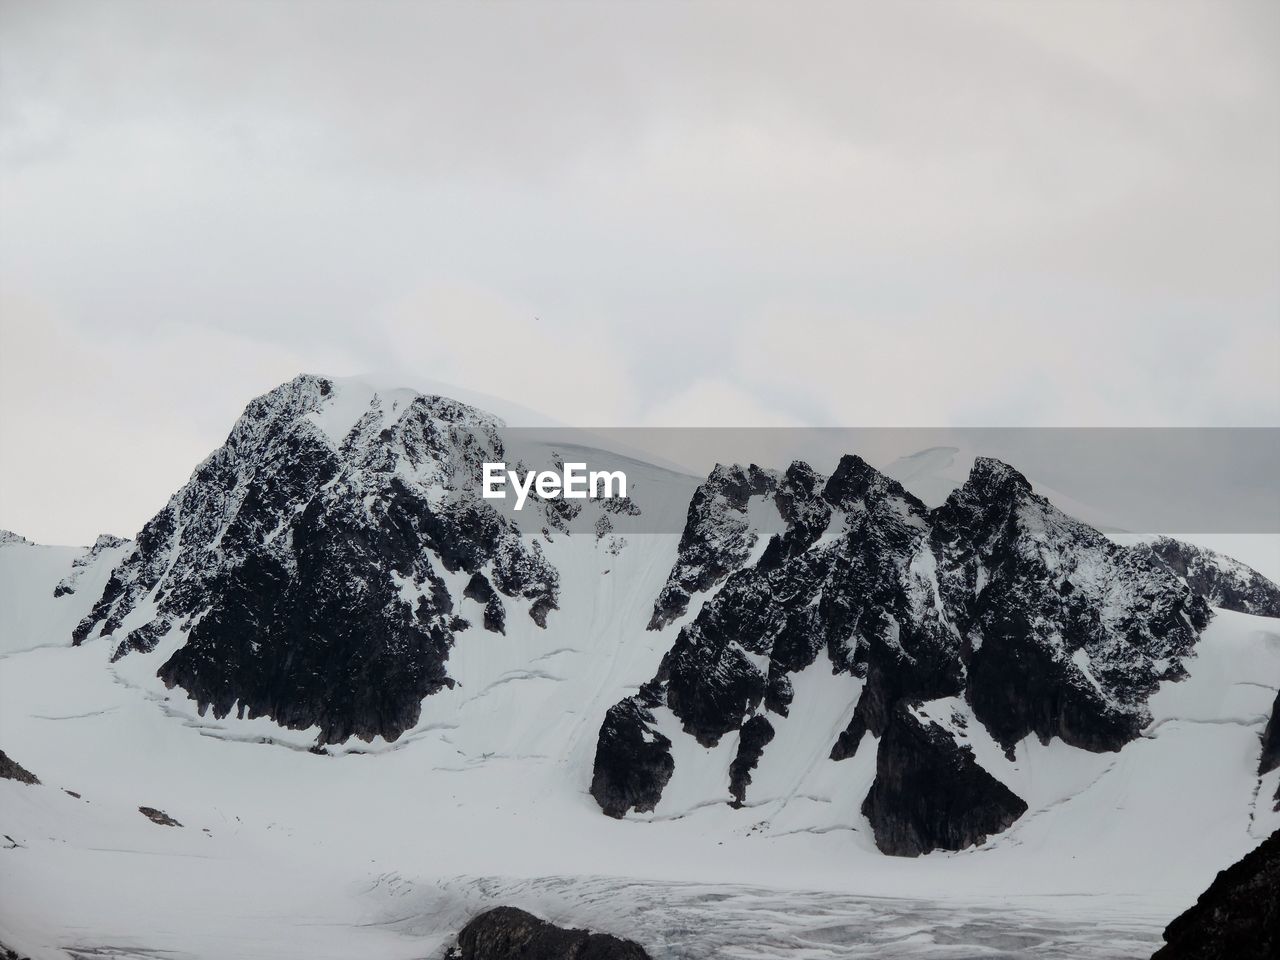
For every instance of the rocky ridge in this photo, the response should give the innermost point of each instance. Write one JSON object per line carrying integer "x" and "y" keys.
{"x": 1222, "y": 581}
{"x": 1041, "y": 624}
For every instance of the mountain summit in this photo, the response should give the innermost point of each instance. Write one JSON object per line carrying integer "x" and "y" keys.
{"x": 306, "y": 572}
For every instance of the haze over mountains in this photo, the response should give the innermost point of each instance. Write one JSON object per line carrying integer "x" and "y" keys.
{"x": 344, "y": 675}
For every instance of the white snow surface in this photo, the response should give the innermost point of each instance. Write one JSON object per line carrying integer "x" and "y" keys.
{"x": 384, "y": 850}
{"x": 30, "y": 615}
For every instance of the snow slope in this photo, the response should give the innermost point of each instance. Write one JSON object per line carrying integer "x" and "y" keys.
{"x": 32, "y": 615}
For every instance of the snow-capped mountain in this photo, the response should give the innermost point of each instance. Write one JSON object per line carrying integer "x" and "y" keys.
{"x": 301, "y": 571}
{"x": 1036, "y": 622}
{"x": 327, "y": 667}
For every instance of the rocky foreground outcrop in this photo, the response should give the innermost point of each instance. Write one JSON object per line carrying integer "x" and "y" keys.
{"x": 1237, "y": 918}
{"x": 505, "y": 933}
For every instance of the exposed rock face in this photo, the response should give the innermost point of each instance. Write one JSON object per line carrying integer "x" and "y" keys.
{"x": 1237, "y": 918}
{"x": 1040, "y": 622}
{"x": 850, "y": 575}
{"x": 12, "y": 770}
{"x": 158, "y": 817}
{"x": 505, "y": 933}
{"x": 633, "y": 760}
{"x": 1066, "y": 634}
{"x": 305, "y": 561}
{"x": 1271, "y": 740}
{"x": 1271, "y": 746}
{"x": 930, "y": 793}
{"x": 1223, "y": 582}
{"x": 142, "y": 640}
{"x": 757, "y": 733}
{"x": 883, "y": 595}
{"x": 81, "y": 563}
{"x": 481, "y": 590}
{"x": 717, "y": 537}
{"x": 850, "y": 738}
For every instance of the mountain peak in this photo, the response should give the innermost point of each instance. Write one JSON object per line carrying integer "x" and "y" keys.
{"x": 854, "y": 479}
{"x": 997, "y": 477}
{"x": 332, "y": 409}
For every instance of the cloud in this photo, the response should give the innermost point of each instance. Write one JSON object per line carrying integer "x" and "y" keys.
{"x": 1062, "y": 362}
{"x": 715, "y": 402}
{"x": 973, "y": 212}
{"x": 564, "y": 367}
{"x": 98, "y": 432}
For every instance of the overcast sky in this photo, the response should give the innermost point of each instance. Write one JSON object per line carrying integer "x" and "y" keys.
{"x": 928, "y": 213}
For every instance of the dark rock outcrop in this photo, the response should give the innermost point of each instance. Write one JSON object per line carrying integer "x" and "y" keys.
{"x": 1270, "y": 758}
{"x": 846, "y": 744}
{"x": 12, "y": 770}
{"x": 930, "y": 793}
{"x": 1222, "y": 581}
{"x": 1237, "y": 918}
{"x": 757, "y": 733}
{"x": 633, "y": 760}
{"x": 158, "y": 817}
{"x": 506, "y": 933}
{"x": 1271, "y": 740}
{"x": 303, "y": 561}
{"x": 142, "y": 640}
{"x": 481, "y": 591}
